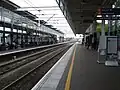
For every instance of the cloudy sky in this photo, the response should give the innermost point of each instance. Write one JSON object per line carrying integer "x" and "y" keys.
{"x": 47, "y": 13}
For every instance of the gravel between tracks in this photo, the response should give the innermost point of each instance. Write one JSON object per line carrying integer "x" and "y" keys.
{"x": 31, "y": 80}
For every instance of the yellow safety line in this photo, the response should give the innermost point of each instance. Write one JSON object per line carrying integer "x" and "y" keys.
{"x": 67, "y": 85}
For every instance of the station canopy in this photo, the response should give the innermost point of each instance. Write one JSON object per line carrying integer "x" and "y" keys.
{"x": 47, "y": 11}
{"x": 81, "y": 13}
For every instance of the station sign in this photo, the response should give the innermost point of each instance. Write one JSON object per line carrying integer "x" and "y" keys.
{"x": 109, "y": 11}
{"x": 107, "y": 18}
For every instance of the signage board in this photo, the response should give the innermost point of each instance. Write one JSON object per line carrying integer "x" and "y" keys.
{"x": 109, "y": 11}
{"x": 107, "y": 18}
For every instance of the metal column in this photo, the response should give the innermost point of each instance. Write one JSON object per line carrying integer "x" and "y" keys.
{"x": 109, "y": 26}
{"x": 3, "y": 25}
{"x": 103, "y": 28}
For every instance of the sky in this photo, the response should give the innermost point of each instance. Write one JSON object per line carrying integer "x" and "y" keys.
{"x": 57, "y": 17}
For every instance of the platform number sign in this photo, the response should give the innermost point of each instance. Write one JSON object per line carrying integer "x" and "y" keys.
{"x": 109, "y": 11}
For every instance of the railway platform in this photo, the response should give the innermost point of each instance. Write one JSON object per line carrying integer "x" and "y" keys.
{"x": 29, "y": 49}
{"x": 78, "y": 70}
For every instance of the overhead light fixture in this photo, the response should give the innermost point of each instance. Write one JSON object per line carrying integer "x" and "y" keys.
{"x": 83, "y": 2}
{"x": 45, "y": 14}
{"x": 39, "y": 10}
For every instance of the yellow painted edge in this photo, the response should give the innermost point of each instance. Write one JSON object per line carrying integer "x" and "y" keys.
{"x": 68, "y": 81}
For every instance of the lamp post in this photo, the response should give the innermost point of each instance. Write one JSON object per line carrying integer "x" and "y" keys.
{"x": 39, "y": 18}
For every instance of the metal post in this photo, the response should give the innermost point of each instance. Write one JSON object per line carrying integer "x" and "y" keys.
{"x": 11, "y": 34}
{"x": 94, "y": 26}
{"x": 109, "y": 26}
{"x": 2, "y": 18}
{"x": 109, "y": 23}
{"x": 103, "y": 28}
{"x": 22, "y": 43}
{"x": 39, "y": 19}
{"x": 116, "y": 31}
{"x": 17, "y": 36}
{"x": 1, "y": 13}
{"x": 3, "y": 33}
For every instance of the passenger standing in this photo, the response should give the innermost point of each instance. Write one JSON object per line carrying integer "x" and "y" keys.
{"x": 88, "y": 43}
{"x": 93, "y": 42}
{"x": 82, "y": 41}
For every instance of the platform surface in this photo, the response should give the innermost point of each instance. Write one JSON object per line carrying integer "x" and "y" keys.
{"x": 87, "y": 74}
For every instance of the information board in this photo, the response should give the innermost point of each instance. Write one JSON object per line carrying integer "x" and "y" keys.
{"x": 108, "y": 18}
{"x": 112, "y": 51}
{"x": 109, "y": 11}
{"x": 112, "y": 45}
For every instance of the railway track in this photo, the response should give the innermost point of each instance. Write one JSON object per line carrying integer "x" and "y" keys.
{"x": 14, "y": 64}
{"x": 29, "y": 68}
